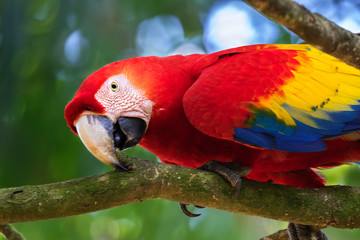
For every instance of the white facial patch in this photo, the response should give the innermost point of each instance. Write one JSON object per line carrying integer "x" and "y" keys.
{"x": 121, "y": 99}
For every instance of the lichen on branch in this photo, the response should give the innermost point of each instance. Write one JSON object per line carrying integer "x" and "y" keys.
{"x": 335, "y": 206}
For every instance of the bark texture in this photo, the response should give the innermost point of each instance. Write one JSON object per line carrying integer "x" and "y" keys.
{"x": 312, "y": 28}
{"x": 336, "y": 206}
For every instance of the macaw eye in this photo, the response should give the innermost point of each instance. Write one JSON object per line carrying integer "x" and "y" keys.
{"x": 114, "y": 86}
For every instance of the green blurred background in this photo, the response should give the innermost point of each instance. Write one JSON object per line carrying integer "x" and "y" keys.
{"x": 47, "y": 48}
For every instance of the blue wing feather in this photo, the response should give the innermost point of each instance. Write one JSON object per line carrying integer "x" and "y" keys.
{"x": 254, "y": 138}
{"x": 273, "y": 134}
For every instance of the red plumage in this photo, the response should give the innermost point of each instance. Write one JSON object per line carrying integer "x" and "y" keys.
{"x": 200, "y": 100}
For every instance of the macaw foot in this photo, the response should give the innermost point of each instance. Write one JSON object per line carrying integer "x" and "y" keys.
{"x": 305, "y": 232}
{"x": 231, "y": 171}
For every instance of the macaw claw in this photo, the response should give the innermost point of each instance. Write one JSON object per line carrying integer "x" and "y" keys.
{"x": 231, "y": 171}
{"x": 186, "y": 211}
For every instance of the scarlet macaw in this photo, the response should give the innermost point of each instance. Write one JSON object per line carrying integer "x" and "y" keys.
{"x": 281, "y": 110}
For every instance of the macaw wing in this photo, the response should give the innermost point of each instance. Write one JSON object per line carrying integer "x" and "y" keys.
{"x": 283, "y": 97}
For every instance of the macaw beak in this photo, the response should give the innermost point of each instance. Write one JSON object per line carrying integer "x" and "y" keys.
{"x": 101, "y": 136}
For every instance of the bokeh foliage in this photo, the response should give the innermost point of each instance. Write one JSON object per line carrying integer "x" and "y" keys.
{"x": 47, "y": 48}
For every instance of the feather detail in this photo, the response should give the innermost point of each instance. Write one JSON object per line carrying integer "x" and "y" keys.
{"x": 283, "y": 97}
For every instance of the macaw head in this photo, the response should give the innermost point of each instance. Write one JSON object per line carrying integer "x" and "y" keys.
{"x": 111, "y": 109}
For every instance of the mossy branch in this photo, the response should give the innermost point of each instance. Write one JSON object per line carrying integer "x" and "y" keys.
{"x": 312, "y": 28}
{"x": 336, "y": 206}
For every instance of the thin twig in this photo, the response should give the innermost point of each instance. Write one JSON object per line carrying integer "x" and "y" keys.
{"x": 312, "y": 28}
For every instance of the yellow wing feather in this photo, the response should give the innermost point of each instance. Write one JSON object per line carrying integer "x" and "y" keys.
{"x": 321, "y": 84}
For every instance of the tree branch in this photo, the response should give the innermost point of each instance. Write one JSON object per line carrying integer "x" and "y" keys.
{"x": 312, "y": 28}
{"x": 335, "y": 206}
